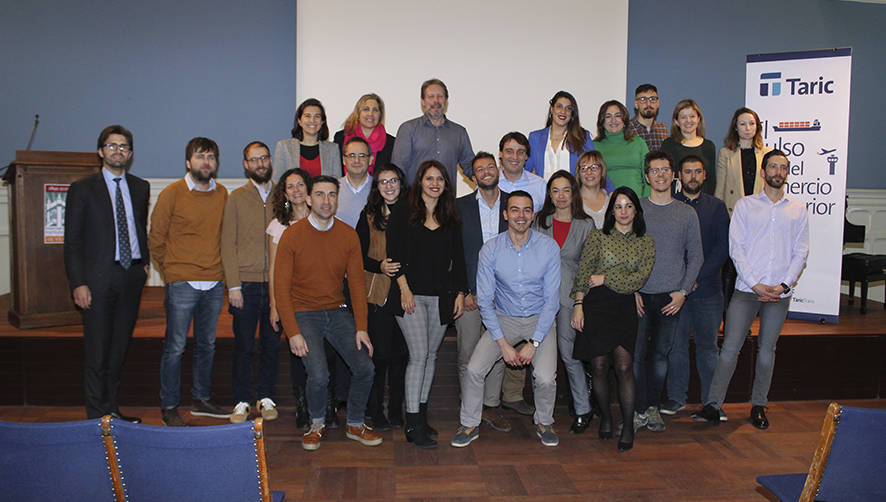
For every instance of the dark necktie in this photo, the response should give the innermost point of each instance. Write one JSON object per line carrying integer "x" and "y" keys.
{"x": 122, "y": 228}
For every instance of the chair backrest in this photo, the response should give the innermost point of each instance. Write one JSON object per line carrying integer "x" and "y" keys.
{"x": 55, "y": 461}
{"x": 222, "y": 462}
{"x": 850, "y": 463}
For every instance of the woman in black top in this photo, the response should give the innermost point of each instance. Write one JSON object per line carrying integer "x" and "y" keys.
{"x": 424, "y": 236}
{"x": 389, "y": 347}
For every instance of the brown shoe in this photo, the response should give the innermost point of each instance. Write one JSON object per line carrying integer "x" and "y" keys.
{"x": 364, "y": 434}
{"x": 171, "y": 418}
{"x": 494, "y": 419}
{"x": 311, "y": 440}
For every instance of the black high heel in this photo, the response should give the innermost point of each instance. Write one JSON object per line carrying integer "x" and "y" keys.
{"x": 605, "y": 431}
{"x": 624, "y": 446}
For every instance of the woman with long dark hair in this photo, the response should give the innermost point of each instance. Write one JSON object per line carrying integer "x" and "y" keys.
{"x": 308, "y": 148}
{"x": 289, "y": 200}
{"x": 424, "y": 236}
{"x": 558, "y": 145}
{"x": 389, "y": 347}
{"x": 563, "y": 218}
{"x": 738, "y": 165}
{"x": 615, "y": 263}
{"x": 687, "y": 138}
{"x": 367, "y": 121}
{"x": 624, "y": 152}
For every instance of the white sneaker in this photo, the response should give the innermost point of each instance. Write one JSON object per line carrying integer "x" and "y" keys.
{"x": 268, "y": 408}
{"x": 241, "y": 413}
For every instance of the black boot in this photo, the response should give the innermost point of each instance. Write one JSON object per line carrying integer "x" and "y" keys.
{"x": 423, "y": 413}
{"x": 331, "y": 415}
{"x": 301, "y": 409}
{"x": 416, "y": 432}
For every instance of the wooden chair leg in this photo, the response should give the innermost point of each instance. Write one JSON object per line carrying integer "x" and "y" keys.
{"x": 851, "y": 292}
{"x": 864, "y": 296}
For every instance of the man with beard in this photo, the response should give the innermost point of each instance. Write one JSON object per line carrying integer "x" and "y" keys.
{"x": 769, "y": 243}
{"x": 244, "y": 252}
{"x": 645, "y": 110}
{"x": 356, "y": 183}
{"x": 703, "y": 310}
{"x": 678, "y": 258}
{"x": 185, "y": 243}
{"x": 433, "y": 136}
{"x": 518, "y": 293}
{"x": 106, "y": 259}
{"x": 513, "y": 150}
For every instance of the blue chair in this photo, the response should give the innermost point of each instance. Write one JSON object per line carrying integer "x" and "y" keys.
{"x": 222, "y": 462}
{"x": 849, "y": 463}
{"x": 56, "y": 461}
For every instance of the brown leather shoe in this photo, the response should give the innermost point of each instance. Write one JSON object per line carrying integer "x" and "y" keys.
{"x": 311, "y": 440}
{"x": 364, "y": 434}
{"x": 494, "y": 419}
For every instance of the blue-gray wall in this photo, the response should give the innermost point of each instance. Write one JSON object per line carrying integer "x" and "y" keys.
{"x": 167, "y": 70}
{"x": 171, "y": 70}
{"x": 696, "y": 49}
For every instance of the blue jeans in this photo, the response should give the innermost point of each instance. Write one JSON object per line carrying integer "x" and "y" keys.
{"x": 701, "y": 317}
{"x": 655, "y": 338}
{"x": 255, "y": 311}
{"x": 184, "y": 303}
{"x": 336, "y": 326}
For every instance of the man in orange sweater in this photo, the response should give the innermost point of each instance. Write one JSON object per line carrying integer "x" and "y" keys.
{"x": 313, "y": 258}
{"x": 185, "y": 243}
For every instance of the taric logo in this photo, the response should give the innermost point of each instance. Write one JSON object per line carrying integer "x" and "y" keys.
{"x": 770, "y": 84}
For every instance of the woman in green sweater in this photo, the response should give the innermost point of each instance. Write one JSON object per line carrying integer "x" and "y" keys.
{"x": 624, "y": 152}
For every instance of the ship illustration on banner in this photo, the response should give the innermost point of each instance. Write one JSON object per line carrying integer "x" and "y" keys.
{"x": 798, "y": 125}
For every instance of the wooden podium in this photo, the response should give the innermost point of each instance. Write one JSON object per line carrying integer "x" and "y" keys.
{"x": 38, "y": 182}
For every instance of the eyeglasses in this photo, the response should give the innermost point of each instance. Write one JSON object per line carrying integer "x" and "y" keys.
{"x": 113, "y": 147}
{"x": 659, "y": 170}
{"x": 590, "y": 168}
{"x": 260, "y": 158}
{"x": 649, "y": 99}
{"x": 360, "y": 156}
{"x": 389, "y": 181}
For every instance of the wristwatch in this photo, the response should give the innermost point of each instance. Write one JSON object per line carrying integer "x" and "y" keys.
{"x": 785, "y": 287}
{"x": 535, "y": 343}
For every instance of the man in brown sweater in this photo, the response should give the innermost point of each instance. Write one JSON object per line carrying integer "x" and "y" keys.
{"x": 313, "y": 257}
{"x": 244, "y": 251}
{"x": 184, "y": 242}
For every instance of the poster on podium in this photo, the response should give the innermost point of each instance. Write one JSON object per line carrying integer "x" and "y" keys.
{"x": 802, "y": 99}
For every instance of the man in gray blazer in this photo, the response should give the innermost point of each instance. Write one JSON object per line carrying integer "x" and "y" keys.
{"x": 482, "y": 219}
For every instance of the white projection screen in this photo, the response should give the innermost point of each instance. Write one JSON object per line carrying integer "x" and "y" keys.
{"x": 501, "y": 60}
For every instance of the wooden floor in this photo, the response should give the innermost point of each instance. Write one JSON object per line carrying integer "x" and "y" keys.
{"x": 689, "y": 461}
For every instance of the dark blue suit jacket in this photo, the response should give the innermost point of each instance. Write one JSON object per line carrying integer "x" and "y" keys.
{"x": 472, "y": 233}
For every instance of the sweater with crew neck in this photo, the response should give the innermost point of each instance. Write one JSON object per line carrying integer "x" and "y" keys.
{"x": 624, "y": 161}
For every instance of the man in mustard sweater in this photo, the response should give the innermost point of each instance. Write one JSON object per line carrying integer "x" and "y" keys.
{"x": 244, "y": 251}
{"x": 313, "y": 257}
{"x": 184, "y": 242}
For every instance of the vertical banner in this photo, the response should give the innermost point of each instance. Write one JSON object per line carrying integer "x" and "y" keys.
{"x": 803, "y": 101}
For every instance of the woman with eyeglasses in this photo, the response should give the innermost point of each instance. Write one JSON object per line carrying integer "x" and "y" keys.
{"x": 389, "y": 347}
{"x": 308, "y": 149}
{"x": 367, "y": 121}
{"x": 562, "y": 218}
{"x": 558, "y": 145}
{"x": 615, "y": 263}
{"x": 592, "y": 186}
{"x": 289, "y": 200}
{"x": 424, "y": 237}
{"x": 738, "y": 165}
{"x": 623, "y": 150}
{"x": 687, "y": 138}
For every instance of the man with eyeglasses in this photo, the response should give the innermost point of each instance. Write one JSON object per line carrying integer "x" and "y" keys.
{"x": 643, "y": 124}
{"x": 185, "y": 241}
{"x": 678, "y": 259}
{"x": 356, "y": 182}
{"x": 106, "y": 259}
{"x": 244, "y": 251}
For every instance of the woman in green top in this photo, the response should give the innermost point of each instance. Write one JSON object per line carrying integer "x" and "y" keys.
{"x": 615, "y": 263}
{"x": 624, "y": 152}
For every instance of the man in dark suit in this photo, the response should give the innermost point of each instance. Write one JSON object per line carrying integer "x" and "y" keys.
{"x": 106, "y": 259}
{"x": 482, "y": 219}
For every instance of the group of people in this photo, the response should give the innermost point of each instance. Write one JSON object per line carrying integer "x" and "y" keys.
{"x": 607, "y": 250}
